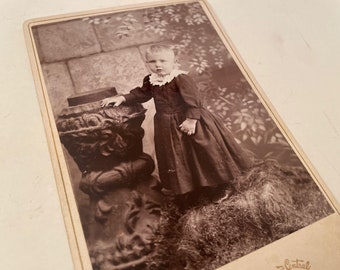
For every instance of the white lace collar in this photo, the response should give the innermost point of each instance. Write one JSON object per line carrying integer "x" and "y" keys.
{"x": 155, "y": 79}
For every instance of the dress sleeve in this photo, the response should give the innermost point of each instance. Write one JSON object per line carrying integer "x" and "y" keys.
{"x": 190, "y": 95}
{"x": 140, "y": 94}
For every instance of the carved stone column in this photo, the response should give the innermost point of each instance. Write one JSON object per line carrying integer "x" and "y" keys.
{"x": 106, "y": 144}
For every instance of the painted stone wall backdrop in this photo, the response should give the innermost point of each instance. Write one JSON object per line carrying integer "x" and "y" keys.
{"x": 59, "y": 84}
{"x": 123, "y": 30}
{"x": 123, "y": 69}
{"x": 66, "y": 40}
{"x": 95, "y": 52}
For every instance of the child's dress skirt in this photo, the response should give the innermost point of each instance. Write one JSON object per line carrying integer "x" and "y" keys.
{"x": 208, "y": 158}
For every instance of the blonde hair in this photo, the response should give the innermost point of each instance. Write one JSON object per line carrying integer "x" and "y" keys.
{"x": 159, "y": 48}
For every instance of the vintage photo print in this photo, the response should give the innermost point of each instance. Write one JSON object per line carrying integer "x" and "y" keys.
{"x": 167, "y": 154}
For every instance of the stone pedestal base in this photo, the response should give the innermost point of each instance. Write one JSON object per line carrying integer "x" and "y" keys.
{"x": 124, "y": 209}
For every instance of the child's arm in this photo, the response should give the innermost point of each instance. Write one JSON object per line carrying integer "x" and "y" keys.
{"x": 188, "y": 126}
{"x": 138, "y": 94}
{"x": 190, "y": 95}
{"x": 116, "y": 101}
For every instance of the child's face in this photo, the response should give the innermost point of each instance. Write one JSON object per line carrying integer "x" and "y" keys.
{"x": 161, "y": 63}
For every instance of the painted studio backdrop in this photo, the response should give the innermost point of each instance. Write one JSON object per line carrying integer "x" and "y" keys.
{"x": 127, "y": 222}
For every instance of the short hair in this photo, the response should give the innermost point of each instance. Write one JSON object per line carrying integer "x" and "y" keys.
{"x": 159, "y": 48}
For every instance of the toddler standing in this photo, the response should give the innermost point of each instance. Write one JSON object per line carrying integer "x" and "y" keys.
{"x": 194, "y": 150}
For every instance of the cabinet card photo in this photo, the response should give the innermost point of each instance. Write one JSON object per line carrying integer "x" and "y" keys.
{"x": 166, "y": 152}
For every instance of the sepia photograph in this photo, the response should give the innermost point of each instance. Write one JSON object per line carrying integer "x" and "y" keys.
{"x": 174, "y": 157}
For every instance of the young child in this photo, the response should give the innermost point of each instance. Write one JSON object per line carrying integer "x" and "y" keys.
{"x": 194, "y": 151}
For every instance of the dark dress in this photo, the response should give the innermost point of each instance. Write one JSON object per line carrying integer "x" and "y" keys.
{"x": 209, "y": 158}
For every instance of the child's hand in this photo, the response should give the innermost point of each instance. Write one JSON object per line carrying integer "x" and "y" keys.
{"x": 188, "y": 126}
{"x": 116, "y": 100}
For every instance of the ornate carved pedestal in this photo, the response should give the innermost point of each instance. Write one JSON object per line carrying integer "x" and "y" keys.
{"x": 106, "y": 144}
